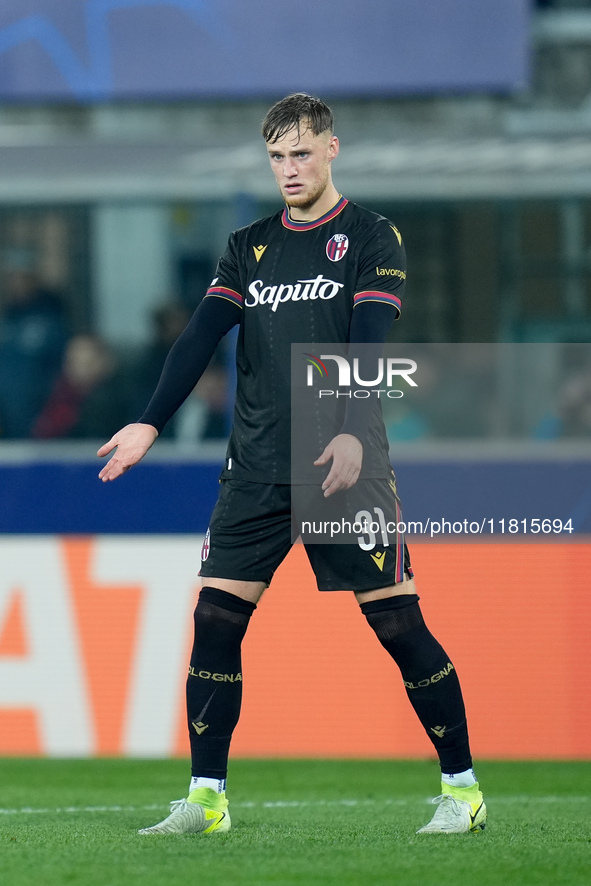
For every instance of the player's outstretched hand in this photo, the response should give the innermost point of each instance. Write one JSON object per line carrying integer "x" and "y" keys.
{"x": 346, "y": 452}
{"x": 131, "y": 442}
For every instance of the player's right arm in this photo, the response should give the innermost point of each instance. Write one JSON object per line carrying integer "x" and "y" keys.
{"x": 219, "y": 311}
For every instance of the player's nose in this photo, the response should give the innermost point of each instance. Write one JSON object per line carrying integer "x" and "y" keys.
{"x": 289, "y": 168}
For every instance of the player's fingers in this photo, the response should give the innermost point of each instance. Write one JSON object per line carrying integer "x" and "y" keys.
{"x": 333, "y": 481}
{"x": 326, "y": 456}
{"x": 352, "y": 477}
{"x": 337, "y": 479}
{"x": 110, "y": 471}
{"x": 327, "y": 486}
{"x": 113, "y": 469}
{"x": 120, "y": 462}
{"x": 107, "y": 447}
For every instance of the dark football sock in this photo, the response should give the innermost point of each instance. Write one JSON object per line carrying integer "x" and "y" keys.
{"x": 214, "y": 684}
{"x": 430, "y": 678}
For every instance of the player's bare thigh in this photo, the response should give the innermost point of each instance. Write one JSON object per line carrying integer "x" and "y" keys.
{"x": 406, "y": 586}
{"x": 253, "y": 590}
{"x": 246, "y": 590}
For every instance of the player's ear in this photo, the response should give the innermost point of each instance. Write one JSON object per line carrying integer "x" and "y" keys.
{"x": 333, "y": 147}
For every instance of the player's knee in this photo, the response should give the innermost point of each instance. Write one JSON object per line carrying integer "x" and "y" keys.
{"x": 392, "y": 617}
{"x": 221, "y": 619}
{"x": 210, "y": 598}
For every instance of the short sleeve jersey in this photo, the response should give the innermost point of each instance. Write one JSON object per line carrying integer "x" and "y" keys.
{"x": 298, "y": 282}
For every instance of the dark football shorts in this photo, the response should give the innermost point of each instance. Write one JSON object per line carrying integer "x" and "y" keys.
{"x": 351, "y": 538}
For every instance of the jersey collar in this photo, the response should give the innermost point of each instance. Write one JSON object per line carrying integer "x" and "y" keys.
{"x": 307, "y": 226}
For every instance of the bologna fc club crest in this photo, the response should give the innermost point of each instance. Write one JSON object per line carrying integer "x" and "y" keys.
{"x": 205, "y": 547}
{"x": 337, "y": 247}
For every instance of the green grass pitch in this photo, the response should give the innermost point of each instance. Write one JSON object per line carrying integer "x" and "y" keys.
{"x": 318, "y": 823}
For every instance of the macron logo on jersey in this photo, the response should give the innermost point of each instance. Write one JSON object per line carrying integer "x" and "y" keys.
{"x": 301, "y": 290}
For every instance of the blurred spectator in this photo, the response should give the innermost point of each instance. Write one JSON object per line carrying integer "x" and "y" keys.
{"x": 454, "y": 397}
{"x": 204, "y": 416}
{"x": 572, "y": 417}
{"x": 168, "y": 322}
{"x": 33, "y": 334}
{"x": 86, "y": 400}
{"x": 463, "y": 404}
{"x": 575, "y": 406}
{"x": 407, "y": 418}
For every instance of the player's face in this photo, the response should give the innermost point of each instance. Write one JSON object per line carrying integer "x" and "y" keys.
{"x": 301, "y": 166}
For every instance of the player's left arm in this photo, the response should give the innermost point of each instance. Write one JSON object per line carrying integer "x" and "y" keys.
{"x": 382, "y": 272}
{"x": 377, "y": 303}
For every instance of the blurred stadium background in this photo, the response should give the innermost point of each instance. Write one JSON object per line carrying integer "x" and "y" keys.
{"x": 129, "y": 149}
